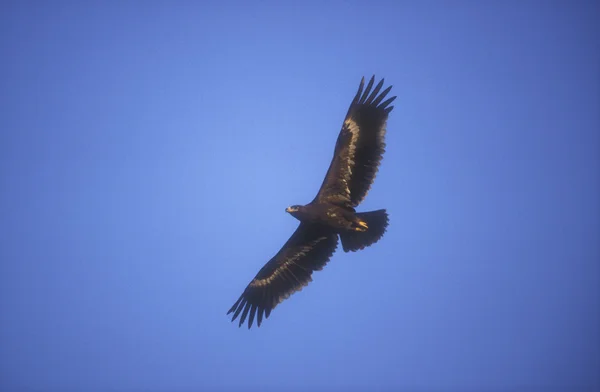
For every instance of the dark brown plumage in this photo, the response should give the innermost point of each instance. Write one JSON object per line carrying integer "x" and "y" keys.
{"x": 358, "y": 152}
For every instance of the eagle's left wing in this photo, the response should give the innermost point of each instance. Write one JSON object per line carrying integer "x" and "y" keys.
{"x": 359, "y": 148}
{"x": 307, "y": 250}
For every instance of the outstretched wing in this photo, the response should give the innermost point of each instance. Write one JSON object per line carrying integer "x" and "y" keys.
{"x": 308, "y": 249}
{"x": 359, "y": 147}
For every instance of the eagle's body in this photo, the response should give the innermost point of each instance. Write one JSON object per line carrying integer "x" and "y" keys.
{"x": 358, "y": 153}
{"x": 333, "y": 216}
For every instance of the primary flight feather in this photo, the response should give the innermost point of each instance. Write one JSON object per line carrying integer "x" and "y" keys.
{"x": 357, "y": 155}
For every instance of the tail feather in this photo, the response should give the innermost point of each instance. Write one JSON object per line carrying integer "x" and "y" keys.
{"x": 377, "y": 221}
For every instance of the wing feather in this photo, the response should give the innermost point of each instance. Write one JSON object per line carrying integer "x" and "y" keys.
{"x": 308, "y": 250}
{"x": 359, "y": 148}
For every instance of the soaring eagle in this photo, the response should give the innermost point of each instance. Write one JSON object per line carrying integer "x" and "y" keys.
{"x": 356, "y": 158}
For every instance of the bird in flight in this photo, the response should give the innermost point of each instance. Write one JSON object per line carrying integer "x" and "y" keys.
{"x": 356, "y": 158}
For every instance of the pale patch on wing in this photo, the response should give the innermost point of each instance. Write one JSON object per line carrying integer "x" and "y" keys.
{"x": 352, "y": 126}
{"x": 381, "y": 134}
{"x": 380, "y": 139}
{"x": 284, "y": 266}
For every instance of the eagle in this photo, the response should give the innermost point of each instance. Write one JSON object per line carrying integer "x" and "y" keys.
{"x": 331, "y": 214}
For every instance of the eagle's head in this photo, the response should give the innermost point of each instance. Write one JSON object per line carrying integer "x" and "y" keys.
{"x": 292, "y": 209}
{"x": 296, "y": 211}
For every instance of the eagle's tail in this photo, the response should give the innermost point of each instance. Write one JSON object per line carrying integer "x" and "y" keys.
{"x": 377, "y": 222}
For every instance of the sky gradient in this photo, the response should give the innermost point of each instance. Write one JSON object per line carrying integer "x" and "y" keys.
{"x": 148, "y": 151}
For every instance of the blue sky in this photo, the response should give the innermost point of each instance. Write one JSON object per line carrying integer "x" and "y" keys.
{"x": 148, "y": 151}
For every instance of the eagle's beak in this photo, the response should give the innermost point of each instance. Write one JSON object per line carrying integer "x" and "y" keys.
{"x": 288, "y": 209}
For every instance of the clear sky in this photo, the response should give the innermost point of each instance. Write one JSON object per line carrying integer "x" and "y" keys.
{"x": 148, "y": 151}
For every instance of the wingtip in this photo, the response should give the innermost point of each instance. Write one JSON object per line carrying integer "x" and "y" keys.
{"x": 386, "y": 103}
{"x": 367, "y": 90}
{"x": 232, "y": 309}
{"x": 235, "y": 306}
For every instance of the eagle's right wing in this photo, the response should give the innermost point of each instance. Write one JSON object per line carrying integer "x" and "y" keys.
{"x": 359, "y": 148}
{"x": 308, "y": 249}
